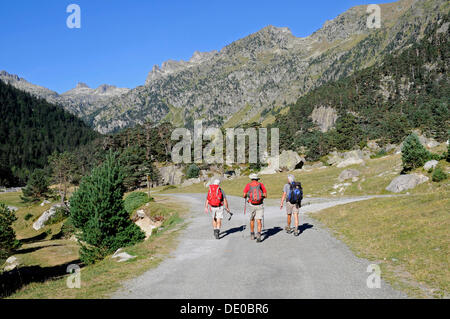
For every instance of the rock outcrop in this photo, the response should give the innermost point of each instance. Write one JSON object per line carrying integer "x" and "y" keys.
{"x": 45, "y": 217}
{"x": 171, "y": 175}
{"x": 348, "y": 174}
{"x": 324, "y": 117}
{"x": 287, "y": 161}
{"x": 348, "y": 158}
{"x": 430, "y": 165}
{"x": 404, "y": 182}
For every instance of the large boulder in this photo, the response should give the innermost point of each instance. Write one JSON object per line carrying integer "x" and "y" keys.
{"x": 404, "y": 182}
{"x": 45, "y": 217}
{"x": 171, "y": 175}
{"x": 348, "y": 158}
{"x": 287, "y": 161}
{"x": 348, "y": 174}
{"x": 190, "y": 181}
{"x": 430, "y": 165}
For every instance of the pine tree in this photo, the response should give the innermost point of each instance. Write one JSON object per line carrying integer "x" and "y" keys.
{"x": 37, "y": 187}
{"x": 63, "y": 166}
{"x": 8, "y": 241}
{"x": 97, "y": 208}
{"x": 413, "y": 153}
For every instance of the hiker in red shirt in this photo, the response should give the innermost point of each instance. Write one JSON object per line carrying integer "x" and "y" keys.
{"x": 215, "y": 201}
{"x": 256, "y": 192}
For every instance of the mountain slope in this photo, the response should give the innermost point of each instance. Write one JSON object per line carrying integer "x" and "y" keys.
{"x": 30, "y": 130}
{"x": 267, "y": 68}
{"x": 81, "y": 100}
{"x": 406, "y": 90}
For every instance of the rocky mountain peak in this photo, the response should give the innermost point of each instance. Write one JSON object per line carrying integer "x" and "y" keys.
{"x": 5, "y": 76}
{"x": 81, "y": 85}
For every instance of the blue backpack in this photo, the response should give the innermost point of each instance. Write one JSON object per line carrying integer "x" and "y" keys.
{"x": 295, "y": 193}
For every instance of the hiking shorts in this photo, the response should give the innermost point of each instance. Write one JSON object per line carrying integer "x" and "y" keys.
{"x": 256, "y": 211}
{"x": 292, "y": 208}
{"x": 217, "y": 212}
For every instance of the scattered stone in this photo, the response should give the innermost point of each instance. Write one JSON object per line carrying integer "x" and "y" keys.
{"x": 12, "y": 208}
{"x": 404, "y": 182}
{"x": 11, "y": 263}
{"x": 430, "y": 165}
{"x": 347, "y": 174}
{"x": 45, "y": 202}
{"x": 121, "y": 255}
{"x": 140, "y": 213}
{"x": 45, "y": 217}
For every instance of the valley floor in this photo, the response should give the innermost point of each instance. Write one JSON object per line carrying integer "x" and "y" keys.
{"x": 312, "y": 265}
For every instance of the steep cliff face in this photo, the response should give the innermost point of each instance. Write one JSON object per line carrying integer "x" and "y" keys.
{"x": 266, "y": 69}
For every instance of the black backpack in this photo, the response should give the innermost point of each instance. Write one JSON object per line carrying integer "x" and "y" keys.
{"x": 295, "y": 193}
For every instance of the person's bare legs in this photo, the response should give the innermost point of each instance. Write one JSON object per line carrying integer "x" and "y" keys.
{"x": 296, "y": 220}
{"x": 259, "y": 225}
{"x": 252, "y": 225}
{"x": 289, "y": 220}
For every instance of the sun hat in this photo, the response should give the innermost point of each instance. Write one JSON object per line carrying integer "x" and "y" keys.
{"x": 253, "y": 176}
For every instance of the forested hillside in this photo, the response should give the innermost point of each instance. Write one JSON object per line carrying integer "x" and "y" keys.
{"x": 408, "y": 90}
{"x": 30, "y": 130}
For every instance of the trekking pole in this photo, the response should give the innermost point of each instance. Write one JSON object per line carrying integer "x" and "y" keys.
{"x": 245, "y": 208}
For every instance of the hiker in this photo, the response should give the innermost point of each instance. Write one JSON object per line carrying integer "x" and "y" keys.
{"x": 256, "y": 192}
{"x": 215, "y": 201}
{"x": 293, "y": 195}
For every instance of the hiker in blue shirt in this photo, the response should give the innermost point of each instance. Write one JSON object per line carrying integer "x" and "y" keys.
{"x": 293, "y": 195}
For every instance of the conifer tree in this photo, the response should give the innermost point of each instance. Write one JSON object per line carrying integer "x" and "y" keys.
{"x": 37, "y": 187}
{"x": 97, "y": 208}
{"x": 8, "y": 241}
{"x": 413, "y": 153}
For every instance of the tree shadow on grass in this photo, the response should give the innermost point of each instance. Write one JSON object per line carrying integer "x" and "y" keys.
{"x": 31, "y": 249}
{"x": 39, "y": 237}
{"x": 12, "y": 281}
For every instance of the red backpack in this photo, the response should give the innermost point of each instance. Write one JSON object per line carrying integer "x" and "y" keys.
{"x": 255, "y": 194}
{"x": 215, "y": 196}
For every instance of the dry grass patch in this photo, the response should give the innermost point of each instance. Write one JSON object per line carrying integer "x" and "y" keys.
{"x": 105, "y": 277}
{"x": 408, "y": 235}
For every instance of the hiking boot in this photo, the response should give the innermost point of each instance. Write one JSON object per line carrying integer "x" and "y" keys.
{"x": 258, "y": 237}
{"x": 216, "y": 233}
{"x": 296, "y": 232}
{"x": 252, "y": 236}
{"x": 288, "y": 229}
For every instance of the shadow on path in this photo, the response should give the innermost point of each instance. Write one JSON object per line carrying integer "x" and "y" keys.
{"x": 304, "y": 227}
{"x": 231, "y": 231}
{"x": 270, "y": 232}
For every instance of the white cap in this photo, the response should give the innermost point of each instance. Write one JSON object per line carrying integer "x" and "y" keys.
{"x": 216, "y": 182}
{"x": 253, "y": 176}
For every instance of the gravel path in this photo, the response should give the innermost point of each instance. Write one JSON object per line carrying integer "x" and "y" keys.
{"x": 312, "y": 265}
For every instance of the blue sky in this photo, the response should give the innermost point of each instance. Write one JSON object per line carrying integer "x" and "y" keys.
{"x": 120, "y": 41}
